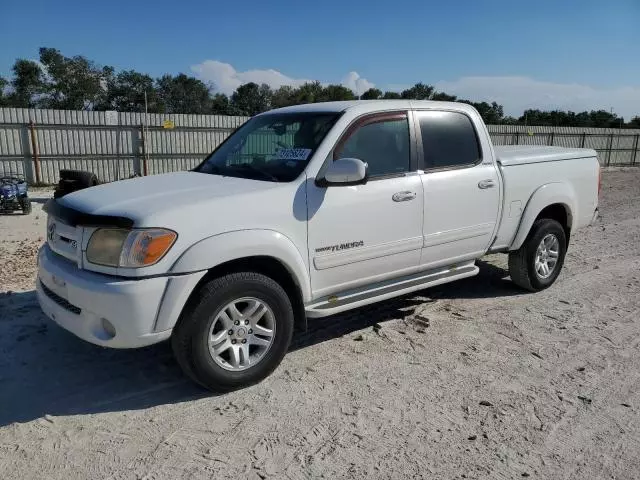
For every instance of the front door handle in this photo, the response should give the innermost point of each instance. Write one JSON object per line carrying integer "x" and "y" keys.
{"x": 404, "y": 196}
{"x": 483, "y": 184}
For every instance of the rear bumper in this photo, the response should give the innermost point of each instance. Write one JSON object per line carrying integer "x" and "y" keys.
{"x": 81, "y": 301}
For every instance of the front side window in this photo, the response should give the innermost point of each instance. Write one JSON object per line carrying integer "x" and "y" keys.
{"x": 449, "y": 140}
{"x": 382, "y": 142}
{"x": 272, "y": 147}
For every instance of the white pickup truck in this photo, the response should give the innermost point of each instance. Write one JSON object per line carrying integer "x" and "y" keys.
{"x": 305, "y": 212}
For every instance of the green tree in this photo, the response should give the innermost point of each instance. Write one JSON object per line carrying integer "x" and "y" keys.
{"x": 391, "y": 96}
{"x": 28, "y": 84}
{"x": 634, "y": 122}
{"x": 509, "y": 120}
{"x": 221, "y": 105}
{"x": 251, "y": 98}
{"x": 371, "y": 94}
{"x": 182, "y": 94}
{"x": 491, "y": 113}
{"x": 73, "y": 83}
{"x": 443, "y": 97}
{"x": 283, "y": 97}
{"x": 332, "y": 93}
{"x": 309, "y": 92}
{"x": 125, "y": 92}
{"x": 594, "y": 118}
{"x": 419, "y": 91}
{"x": 4, "y": 99}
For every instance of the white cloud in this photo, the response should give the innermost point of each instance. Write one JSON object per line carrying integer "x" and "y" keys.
{"x": 225, "y": 78}
{"x": 520, "y": 93}
{"x": 515, "y": 93}
{"x": 356, "y": 83}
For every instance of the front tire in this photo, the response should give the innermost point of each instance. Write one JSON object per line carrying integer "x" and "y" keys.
{"x": 234, "y": 332}
{"x": 537, "y": 263}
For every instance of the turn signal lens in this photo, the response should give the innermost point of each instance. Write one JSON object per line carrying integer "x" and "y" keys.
{"x": 146, "y": 247}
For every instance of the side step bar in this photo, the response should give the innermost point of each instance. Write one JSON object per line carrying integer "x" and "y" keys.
{"x": 391, "y": 288}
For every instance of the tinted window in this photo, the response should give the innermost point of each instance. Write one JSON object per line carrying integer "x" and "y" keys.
{"x": 448, "y": 139}
{"x": 383, "y": 144}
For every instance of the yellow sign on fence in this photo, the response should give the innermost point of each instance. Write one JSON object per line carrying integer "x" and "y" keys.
{"x": 168, "y": 124}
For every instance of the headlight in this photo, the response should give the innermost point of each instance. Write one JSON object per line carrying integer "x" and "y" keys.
{"x": 129, "y": 248}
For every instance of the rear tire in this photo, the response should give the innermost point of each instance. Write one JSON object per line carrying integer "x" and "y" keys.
{"x": 194, "y": 337}
{"x": 537, "y": 263}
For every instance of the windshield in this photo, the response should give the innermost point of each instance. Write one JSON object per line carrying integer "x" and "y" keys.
{"x": 273, "y": 147}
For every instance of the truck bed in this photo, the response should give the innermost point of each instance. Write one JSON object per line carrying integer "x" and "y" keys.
{"x": 525, "y": 167}
{"x": 523, "y": 154}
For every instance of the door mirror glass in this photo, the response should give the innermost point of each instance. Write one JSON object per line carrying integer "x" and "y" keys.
{"x": 346, "y": 171}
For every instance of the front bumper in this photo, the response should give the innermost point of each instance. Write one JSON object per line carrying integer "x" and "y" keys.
{"x": 80, "y": 301}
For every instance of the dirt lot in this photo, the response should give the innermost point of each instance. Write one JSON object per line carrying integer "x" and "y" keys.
{"x": 469, "y": 380}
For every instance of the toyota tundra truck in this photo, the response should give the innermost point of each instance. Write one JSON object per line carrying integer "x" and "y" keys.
{"x": 304, "y": 212}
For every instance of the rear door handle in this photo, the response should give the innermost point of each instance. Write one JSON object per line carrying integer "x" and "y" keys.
{"x": 403, "y": 196}
{"x": 483, "y": 184}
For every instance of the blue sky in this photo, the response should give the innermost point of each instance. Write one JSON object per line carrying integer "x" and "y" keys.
{"x": 564, "y": 53}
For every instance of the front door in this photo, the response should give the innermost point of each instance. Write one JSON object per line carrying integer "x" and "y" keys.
{"x": 462, "y": 189}
{"x": 366, "y": 233}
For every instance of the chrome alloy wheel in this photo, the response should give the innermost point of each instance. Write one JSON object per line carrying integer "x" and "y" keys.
{"x": 241, "y": 334}
{"x": 547, "y": 256}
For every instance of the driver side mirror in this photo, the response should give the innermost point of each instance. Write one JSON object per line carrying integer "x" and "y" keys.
{"x": 344, "y": 172}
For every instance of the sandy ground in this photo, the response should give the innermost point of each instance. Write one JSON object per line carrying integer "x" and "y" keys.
{"x": 469, "y": 380}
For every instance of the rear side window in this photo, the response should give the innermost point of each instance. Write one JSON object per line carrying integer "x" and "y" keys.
{"x": 449, "y": 140}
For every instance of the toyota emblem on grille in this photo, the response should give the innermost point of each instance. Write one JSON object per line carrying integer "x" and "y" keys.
{"x": 74, "y": 244}
{"x": 51, "y": 231}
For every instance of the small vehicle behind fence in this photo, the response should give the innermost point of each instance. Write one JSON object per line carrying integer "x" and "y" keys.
{"x": 13, "y": 195}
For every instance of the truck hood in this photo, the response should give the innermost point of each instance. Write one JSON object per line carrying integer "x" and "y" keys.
{"x": 157, "y": 200}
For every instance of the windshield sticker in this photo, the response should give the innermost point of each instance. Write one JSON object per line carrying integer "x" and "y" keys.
{"x": 299, "y": 154}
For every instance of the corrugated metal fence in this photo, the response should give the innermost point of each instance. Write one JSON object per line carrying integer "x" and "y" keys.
{"x": 38, "y": 143}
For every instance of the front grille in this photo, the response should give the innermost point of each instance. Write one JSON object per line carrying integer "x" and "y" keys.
{"x": 59, "y": 300}
{"x": 63, "y": 239}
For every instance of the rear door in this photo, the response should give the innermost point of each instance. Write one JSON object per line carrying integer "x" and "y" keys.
{"x": 462, "y": 189}
{"x": 365, "y": 233}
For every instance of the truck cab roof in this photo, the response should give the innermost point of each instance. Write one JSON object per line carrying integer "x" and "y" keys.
{"x": 370, "y": 106}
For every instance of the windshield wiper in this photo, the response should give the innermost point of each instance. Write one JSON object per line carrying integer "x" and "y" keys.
{"x": 260, "y": 171}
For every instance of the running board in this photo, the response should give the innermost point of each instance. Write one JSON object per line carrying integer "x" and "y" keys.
{"x": 391, "y": 288}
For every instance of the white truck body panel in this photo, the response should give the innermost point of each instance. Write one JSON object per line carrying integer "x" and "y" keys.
{"x": 535, "y": 180}
{"x": 340, "y": 215}
{"x": 344, "y": 246}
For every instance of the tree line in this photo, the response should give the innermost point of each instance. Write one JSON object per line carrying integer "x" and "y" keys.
{"x": 77, "y": 83}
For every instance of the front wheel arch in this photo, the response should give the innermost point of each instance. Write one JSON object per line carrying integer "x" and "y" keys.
{"x": 269, "y": 267}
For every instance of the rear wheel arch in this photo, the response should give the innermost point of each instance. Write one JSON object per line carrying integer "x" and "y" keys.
{"x": 555, "y": 201}
{"x": 561, "y": 213}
